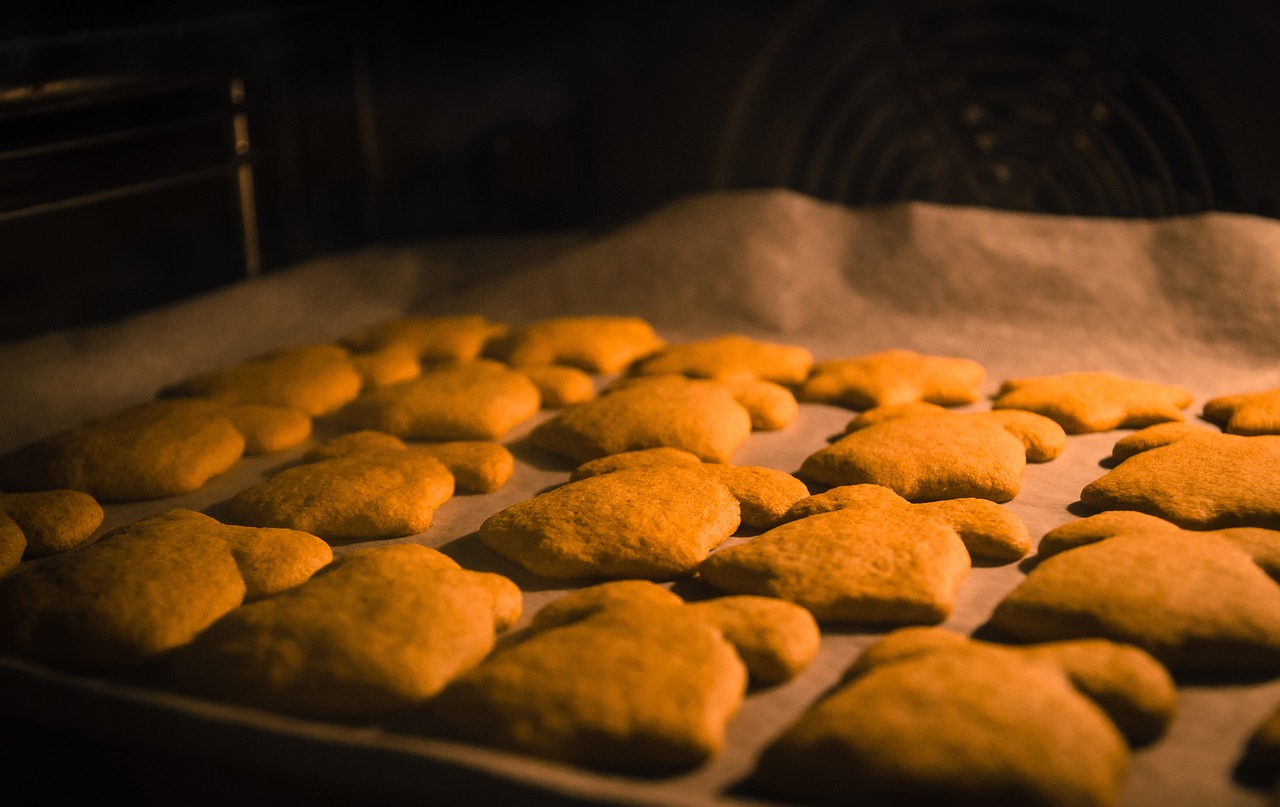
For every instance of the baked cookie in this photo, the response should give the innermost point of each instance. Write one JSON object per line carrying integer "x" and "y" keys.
{"x": 52, "y": 521}
{"x": 560, "y": 385}
{"x": 386, "y": 365}
{"x": 146, "y": 588}
{"x": 377, "y": 632}
{"x": 1247, "y": 413}
{"x": 925, "y": 452}
{"x": 775, "y": 639}
{"x": 429, "y": 339}
{"x": 695, "y": 415}
{"x": 630, "y": 681}
{"x": 596, "y": 344}
{"x": 158, "y": 449}
{"x": 654, "y": 523}
{"x": 1197, "y": 604}
{"x": 893, "y": 377}
{"x": 475, "y": 400}
{"x": 268, "y": 429}
{"x": 1094, "y": 402}
{"x": 764, "y": 494}
{"x": 1000, "y": 728}
{"x": 1261, "y": 545}
{"x": 989, "y": 531}
{"x": 315, "y": 379}
{"x": 898, "y": 568}
{"x": 771, "y": 406}
{"x": 1195, "y": 477}
{"x": 12, "y": 544}
{"x": 731, "y": 356}
{"x": 1134, "y": 689}
{"x": 356, "y": 496}
{"x": 478, "y": 466}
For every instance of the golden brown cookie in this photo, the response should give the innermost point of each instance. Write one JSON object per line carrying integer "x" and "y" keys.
{"x": 731, "y": 356}
{"x": 1247, "y": 413}
{"x": 146, "y": 588}
{"x": 765, "y": 494}
{"x": 429, "y": 339}
{"x": 158, "y": 449}
{"x": 1094, "y": 402}
{"x": 968, "y": 723}
{"x": 695, "y": 415}
{"x": 267, "y": 428}
{"x": 899, "y": 568}
{"x": 53, "y": 521}
{"x": 386, "y": 366}
{"x": 1197, "y": 478}
{"x": 925, "y": 452}
{"x": 628, "y": 679}
{"x": 12, "y": 544}
{"x": 315, "y": 379}
{"x": 560, "y": 385}
{"x": 772, "y": 406}
{"x": 989, "y": 531}
{"x": 656, "y": 523}
{"x": 377, "y": 632}
{"x": 597, "y": 344}
{"x": 476, "y": 400}
{"x": 893, "y": 377}
{"x": 1260, "y": 544}
{"x": 478, "y": 466}
{"x": 1197, "y": 604}
{"x": 358, "y": 496}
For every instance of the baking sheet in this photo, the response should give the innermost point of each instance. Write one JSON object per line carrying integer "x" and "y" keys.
{"x": 1193, "y": 301}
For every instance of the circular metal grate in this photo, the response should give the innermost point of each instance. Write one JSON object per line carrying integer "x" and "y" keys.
{"x": 1019, "y": 105}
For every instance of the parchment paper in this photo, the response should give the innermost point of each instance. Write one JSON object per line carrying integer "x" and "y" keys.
{"x": 1193, "y": 301}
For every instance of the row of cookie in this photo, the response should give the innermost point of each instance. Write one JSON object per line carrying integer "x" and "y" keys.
{"x": 621, "y": 676}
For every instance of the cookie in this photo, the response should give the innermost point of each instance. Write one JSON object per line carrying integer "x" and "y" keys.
{"x": 656, "y": 523}
{"x": 378, "y": 632}
{"x": 158, "y": 449}
{"x": 989, "y": 531}
{"x": 629, "y": 681}
{"x": 899, "y": 568}
{"x": 770, "y": 405}
{"x": 146, "y": 588}
{"x": 775, "y": 639}
{"x": 560, "y": 385}
{"x": 12, "y": 544}
{"x": 476, "y": 400}
{"x": 386, "y": 365}
{"x": 1248, "y": 413}
{"x": 429, "y": 339}
{"x": 1261, "y": 545}
{"x": 357, "y": 496}
{"x": 52, "y": 521}
{"x": 268, "y": 429}
{"x": 731, "y": 356}
{"x": 596, "y": 344}
{"x": 698, "y": 416}
{"x": 1000, "y": 728}
{"x": 765, "y": 495}
{"x": 1195, "y": 477}
{"x": 893, "y": 377}
{"x": 925, "y": 452}
{"x": 1094, "y": 402}
{"x": 315, "y": 379}
{"x": 1196, "y": 605}
{"x": 477, "y": 466}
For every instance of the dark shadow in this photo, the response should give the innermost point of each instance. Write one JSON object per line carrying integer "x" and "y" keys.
{"x": 526, "y": 452}
{"x": 1080, "y": 510}
{"x": 474, "y": 556}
